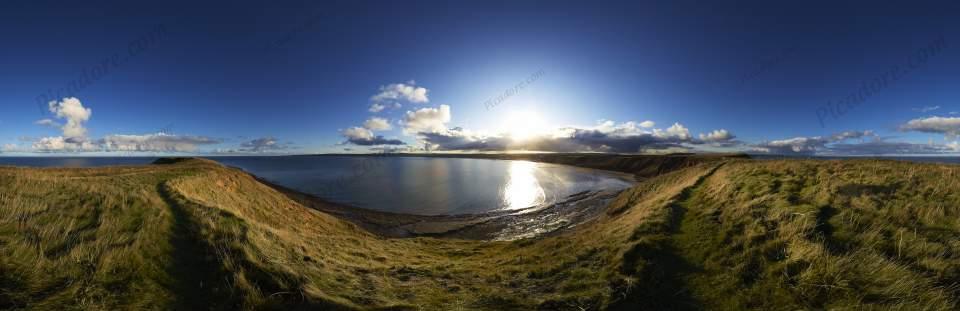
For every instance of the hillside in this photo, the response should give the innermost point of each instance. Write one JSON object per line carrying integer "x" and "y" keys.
{"x": 728, "y": 234}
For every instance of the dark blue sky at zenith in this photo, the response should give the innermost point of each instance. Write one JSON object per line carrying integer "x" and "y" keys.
{"x": 258, "y": 77}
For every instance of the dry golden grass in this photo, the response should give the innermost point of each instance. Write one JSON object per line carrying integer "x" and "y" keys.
{"x": 742, "y": 234}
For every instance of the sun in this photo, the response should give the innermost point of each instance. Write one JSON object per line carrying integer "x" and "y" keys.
{"x": 523, "y": 125}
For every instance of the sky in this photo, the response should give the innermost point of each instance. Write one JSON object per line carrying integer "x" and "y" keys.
{"x": 297, "y": 77}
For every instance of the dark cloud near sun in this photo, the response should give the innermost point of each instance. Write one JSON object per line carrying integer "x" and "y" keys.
{"x": 375, "y": 141}
{"x": 629, "y": 137}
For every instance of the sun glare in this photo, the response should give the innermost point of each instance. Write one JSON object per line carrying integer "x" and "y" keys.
{"x": 523, "y": 125}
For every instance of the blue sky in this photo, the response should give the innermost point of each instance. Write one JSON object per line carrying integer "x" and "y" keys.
{"x": 301, "y": 77}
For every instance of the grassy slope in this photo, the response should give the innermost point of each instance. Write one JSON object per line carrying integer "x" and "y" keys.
{"x": 780, "y": 235}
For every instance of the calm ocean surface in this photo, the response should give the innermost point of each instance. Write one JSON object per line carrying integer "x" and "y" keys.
{"x": 429, "y": 186}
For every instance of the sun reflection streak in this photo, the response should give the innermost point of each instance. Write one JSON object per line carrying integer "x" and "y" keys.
{"x": 522, "y": 190}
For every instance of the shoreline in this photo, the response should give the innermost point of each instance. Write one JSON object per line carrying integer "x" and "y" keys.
{"x": 568, "y": 212}
{"x": 492, "y": 225}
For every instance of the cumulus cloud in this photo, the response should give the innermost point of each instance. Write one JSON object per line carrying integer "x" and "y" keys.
{"x": 74, "y": 135}
{"x": 375, "y": 107}
{"x": 948, "y": 126}
{"x": 62, "y": 144}
{"x": 377, "y": 124}
{"x": 796, "y": 145}
{"x": 719, "y": 138}
{"x": 647, "y": 124}
{"x": 675, "y": 131}
{"x": 430, "y": 120}
{"x": 396, "y": 92}
{"x": 816, "y": 144}
{"x": 74, "y": 113}
{"x": 357, "y": 133}
{"x": 364, "y": 137}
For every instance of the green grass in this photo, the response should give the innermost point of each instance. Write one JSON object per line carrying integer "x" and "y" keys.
{"x": 725, "y": 235}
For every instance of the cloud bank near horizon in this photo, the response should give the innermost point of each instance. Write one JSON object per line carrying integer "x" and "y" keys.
{"x": 430, "y": 129}
{"x": 73, "y": 117}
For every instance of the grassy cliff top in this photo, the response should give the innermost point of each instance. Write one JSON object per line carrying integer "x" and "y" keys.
{"x": 730, "y": 234}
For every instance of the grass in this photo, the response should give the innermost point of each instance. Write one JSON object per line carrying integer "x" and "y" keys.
{"x": 724, "y": 235}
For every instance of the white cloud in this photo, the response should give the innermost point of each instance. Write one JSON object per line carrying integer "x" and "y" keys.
{"x": 73, "y": 111}
{"x": 10, "y": 148}
{"x": 430, "y": 120}
{"x": 954, "y": 145}
{"x": 62, "y": 144}
{"x": 401, "y": 92}
{"x": 950, "y": 126}
{"x": 624, "y": 129}
{"x": 675, "y": 131}
{"x": 159, "y": 142}
{"x": 802, "y": 145}
{"x": 377, "y": 124}
{"x": 357, "y": 133}
{"x": 720, "y": 138}
{"x": 47, "y": 122}
{"x": 810, "y": 145}
{"x": 376, "y": 108}
{"x": 74, "y": 137}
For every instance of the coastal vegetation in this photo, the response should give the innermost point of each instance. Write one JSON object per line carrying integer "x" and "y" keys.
{"x": 725, "y": 233}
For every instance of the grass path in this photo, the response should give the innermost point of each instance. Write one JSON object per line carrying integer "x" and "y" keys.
{"x": 687, "y": 234}
{"x": 692, "y": 236}
{"x": 196, "y": 275}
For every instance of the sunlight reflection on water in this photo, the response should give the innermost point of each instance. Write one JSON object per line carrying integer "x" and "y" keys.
{"x": 522, "y": 189}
